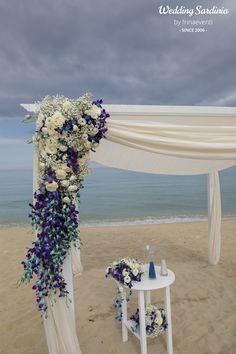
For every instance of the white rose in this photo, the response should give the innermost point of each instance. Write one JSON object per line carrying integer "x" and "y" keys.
{"x": 82, "y": 121}
{"x": 94, "y": 111}
{"x": 85, "y": 136}
{"x": 63, "y": 148}
{"x": 135, "y": 272}
{"x": 75, "y": 128}
{"x": 42, "y": 164}
{"x": 72, "y": 178}
{"x": 159, "y": 320}
{"x": 66, "y": 200}
{"x": 51, "y": 147}
{"x": 66, "y": 105}
{"x": 49, "y": 121}
{"x": 51, "y": 187}
{"x": 51, "y": 129}
{"x": 87, "y": 144}
{"x": 127, "y": 279}
{"x": 65, "y": 183}
{"x": 94, "y": 131}
{"x": 44, "y": 130}
{"x": 72, "y": 188}
{"x": 107, "y": 270}
{"x": 61, "y": 166}
{"x": 124, "y": 272}
{"x": 58, "y": 119}
{"x": 65, "y": 167}
{"x": 61, "y": 174}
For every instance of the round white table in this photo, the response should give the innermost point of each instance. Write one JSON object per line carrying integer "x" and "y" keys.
{"x": 144, "y": 289}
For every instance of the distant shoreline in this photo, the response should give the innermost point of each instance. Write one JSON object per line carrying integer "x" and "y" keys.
{"x": 123, "y": 223}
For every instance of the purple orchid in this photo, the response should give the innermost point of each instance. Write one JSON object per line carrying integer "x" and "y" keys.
{"x": 55, "y": 221}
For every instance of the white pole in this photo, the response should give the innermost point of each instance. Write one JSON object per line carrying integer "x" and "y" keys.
{"x": 124, "y": 316}
{"x": 168, "y": 315}
{"x": 142, "y": 324}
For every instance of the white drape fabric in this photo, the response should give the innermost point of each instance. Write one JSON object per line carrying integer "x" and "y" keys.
{"x": 214, "y": 218}
{"x": 75, "y": 252}
{"x": 124, "y": 157}
{"x": 60, "y": 330}
{"x": 76, "y": 261}
{"x": 60, "y": 326}
{"x": 194, "y": 142}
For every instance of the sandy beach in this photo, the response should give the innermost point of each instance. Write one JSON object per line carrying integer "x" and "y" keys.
{"x": 203, "y": 296}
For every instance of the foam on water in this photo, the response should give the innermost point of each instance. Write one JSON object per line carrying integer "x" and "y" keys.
{"x": 135, "y": 222}
{"x": 149, "y": 221}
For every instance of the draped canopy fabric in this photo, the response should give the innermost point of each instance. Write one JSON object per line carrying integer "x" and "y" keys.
{"x": 196, "y": 142}
{"x": 180, "y": 140}
{"x": 155, "y": 139}
{"x": 169, "y": 139}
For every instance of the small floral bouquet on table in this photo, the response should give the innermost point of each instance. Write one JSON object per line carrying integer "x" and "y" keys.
{"x": 155, "y": 321}
{"x": 125, "y": 272}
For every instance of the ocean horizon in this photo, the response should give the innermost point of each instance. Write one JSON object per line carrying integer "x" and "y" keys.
{"x": 113, "y": 197}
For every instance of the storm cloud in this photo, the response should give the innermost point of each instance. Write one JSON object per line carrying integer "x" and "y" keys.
{"x": 121, "y": 51}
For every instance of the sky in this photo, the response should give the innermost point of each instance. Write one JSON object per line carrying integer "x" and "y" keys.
{"x": 121, "y": 51}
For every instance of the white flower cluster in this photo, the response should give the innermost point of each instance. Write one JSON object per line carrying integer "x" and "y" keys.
{"x": 60, "y": 129}
{"x": 133, "y": 265}
{"x": 155, "y": 323}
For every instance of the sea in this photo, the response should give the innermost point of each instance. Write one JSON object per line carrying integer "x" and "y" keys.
{"x": 119, "y": 197}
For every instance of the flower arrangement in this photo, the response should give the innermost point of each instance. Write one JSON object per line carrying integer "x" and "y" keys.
{"x": 125, "y": 272}
{"x": 66, "y": 130}
{"x": 155, "y": 321}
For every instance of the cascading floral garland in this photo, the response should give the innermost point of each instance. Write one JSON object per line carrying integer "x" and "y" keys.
{"x": 66, "y": 130}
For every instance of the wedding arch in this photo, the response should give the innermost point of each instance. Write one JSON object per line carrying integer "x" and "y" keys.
{"x": 177, "y": 140}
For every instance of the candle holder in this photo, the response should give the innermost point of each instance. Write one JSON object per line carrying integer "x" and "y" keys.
{"x": 164, "y": 271}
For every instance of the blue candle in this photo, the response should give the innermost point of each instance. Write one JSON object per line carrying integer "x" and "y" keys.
{"x": 152, "y": 272}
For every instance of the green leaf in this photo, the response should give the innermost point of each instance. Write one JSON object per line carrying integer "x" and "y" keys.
{"x": 26, "y": 117}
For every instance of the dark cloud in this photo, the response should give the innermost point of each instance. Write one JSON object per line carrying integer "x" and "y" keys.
{"x": 122, "y": 51}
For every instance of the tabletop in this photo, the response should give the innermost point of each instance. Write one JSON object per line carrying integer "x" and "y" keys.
{"x": 152, "y": 284}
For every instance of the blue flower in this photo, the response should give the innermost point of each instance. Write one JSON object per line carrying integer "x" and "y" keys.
{"x": 57, "y": 226}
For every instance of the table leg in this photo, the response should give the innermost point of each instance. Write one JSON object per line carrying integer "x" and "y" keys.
{"x": 148, "y": 297}
{"x": 168, "y": 315}
{"x": 124, "y": 317}
{"x": 143, "y": 338}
